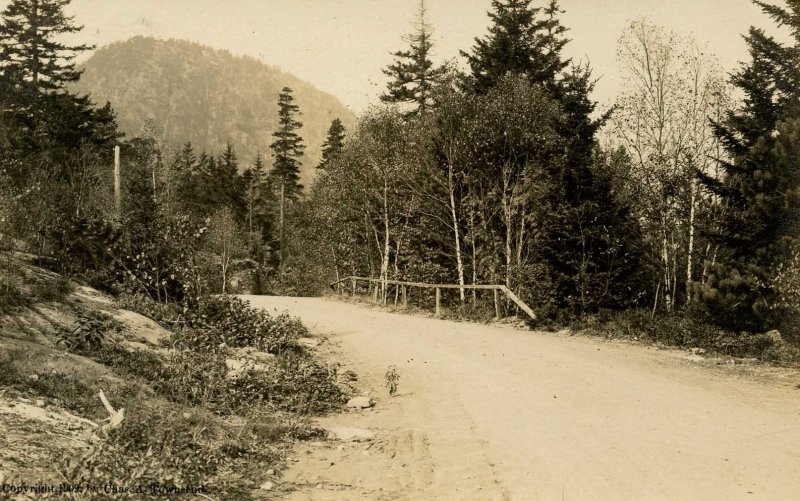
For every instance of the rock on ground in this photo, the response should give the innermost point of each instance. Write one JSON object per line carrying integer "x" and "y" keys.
{"x": 351, "y": 434}
{"x": 360, "y": 403}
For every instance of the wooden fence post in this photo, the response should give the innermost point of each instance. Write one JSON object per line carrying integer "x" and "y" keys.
{"x": 405, "y": 296}
{"x": 375, "y": 294}
{"x": 354, "y": 287}
{"x": 438, "y": 301}
{"x": 497, "y": 305}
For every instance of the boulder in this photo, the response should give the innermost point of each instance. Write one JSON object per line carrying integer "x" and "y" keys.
{"x": 351, "y": 434}
{"x": 267, "y": 486}
{"x": 234, "y": 364}
{"x": 774, "y": 337}
{"x": 263, "y": 357}
{"x": 237, "y": 367}
{"x": 360, "y": 403}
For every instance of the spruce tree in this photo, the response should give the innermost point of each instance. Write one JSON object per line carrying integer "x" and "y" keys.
{"x": 588, "y": 240}
{"x": 228, "y": 184}
{"x": 333, "y": 145}
{"x": 288, "y": 146}
{"x": 286, "y": 151}
{"x": 413, "y": 74}
{"x": 758, "y": 191}
{"x": 30, "y": 52}
{"x": 522, "y": 40}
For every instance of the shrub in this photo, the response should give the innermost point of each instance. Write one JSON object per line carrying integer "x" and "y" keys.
{"x": 677, "y": 330}
{"x": 298, "y": 384}
{"x": 238, "y": 325}
{"x": 165, "y": 314}
{"x": 11, "y": 298}
{"x": 88, "y": 333}
{"x": 131, "y": 362}
{"x": 152, "y": 446}
{"x": 46, "y": 289}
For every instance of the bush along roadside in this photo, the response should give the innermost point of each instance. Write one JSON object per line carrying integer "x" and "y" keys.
{"x": 212, "y": 409}
{"x": 684, "y": 331}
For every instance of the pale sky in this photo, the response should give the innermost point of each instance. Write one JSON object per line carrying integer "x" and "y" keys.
{"x": 340, "y": 46}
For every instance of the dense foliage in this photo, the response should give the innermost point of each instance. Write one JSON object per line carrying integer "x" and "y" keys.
{"x": 493, "y": 176}
{"x": 758, "y": 231}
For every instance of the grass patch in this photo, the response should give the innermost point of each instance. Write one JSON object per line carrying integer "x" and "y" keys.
{"x": 11, "y": 298}
{"x": 65, "y": 389}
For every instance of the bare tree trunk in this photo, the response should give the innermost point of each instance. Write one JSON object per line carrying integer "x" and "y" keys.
{"x": 117, "y": 184}
{"x": 280, "y": 224}
{"x": 224, "y": 272}
{"x": 456, "y": 232}
{"x": 666, "y": 268}
{"x": 474, "y": 254}
{"x": 509, "y": 252}
{"x": 690, "y": 250}
{"x": 386, "y": 245}
{"x": 397, "y": 268}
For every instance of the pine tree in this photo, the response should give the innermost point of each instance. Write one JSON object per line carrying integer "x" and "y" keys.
{"x": 227, "y": 182}
{"x": 413, "y": 74}
{"x": 30, "y": 51}
{"x": 759, "y": 187}
{"x": 522, "y": 40}
{"x": 332, "y": 147}
{"x": 286, "y": 150}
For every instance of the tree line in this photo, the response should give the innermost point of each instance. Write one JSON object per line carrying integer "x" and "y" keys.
{"x": 187, "y": 219}
{"x": 680, "y": 198}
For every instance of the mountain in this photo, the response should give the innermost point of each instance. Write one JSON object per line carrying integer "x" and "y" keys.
{"x": 206, "y": 96}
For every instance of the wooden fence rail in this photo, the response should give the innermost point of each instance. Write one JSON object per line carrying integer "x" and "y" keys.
{"x": 337, "y": 286}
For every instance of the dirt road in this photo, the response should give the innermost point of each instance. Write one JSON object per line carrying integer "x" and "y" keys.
{"x": 490, "y": 412}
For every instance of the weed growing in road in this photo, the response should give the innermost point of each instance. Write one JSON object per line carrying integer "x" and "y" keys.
{"x": 392, "y": 378}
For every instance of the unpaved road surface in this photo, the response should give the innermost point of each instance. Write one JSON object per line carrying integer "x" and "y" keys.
{"x": 487, "y": 412}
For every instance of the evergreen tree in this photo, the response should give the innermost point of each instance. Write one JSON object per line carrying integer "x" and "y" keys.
{"x": 522, "y": 40}
{"x": 332, "y": 147}
{"x": 30, "y": 52}
{"x": 591, "y": 241}
{"x": 257, "y": 194}
{"x": 288, "y": 146}
{"x": 286, "y": 150}
{"x": 588, "y": 241}
{"x": 228, "y": 184}
{"x": 759, "y": 187}
{"x": 413, "y": 75}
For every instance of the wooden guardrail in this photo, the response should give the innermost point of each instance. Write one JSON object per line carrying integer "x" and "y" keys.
{"x": 405, "y": 285}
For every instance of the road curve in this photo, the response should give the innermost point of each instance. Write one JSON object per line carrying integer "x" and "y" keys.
{"x": 509, "y": 414}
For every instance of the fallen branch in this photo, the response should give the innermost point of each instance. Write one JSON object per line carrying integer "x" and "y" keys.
{"x": 115, "y": 417}
{"x": 80, "y": 419}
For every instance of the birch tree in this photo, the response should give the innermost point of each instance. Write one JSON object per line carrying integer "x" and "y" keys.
{"x": 225, "y": 242}
{"x": 511, "y": 138}
{"x": 662, "y": 119}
